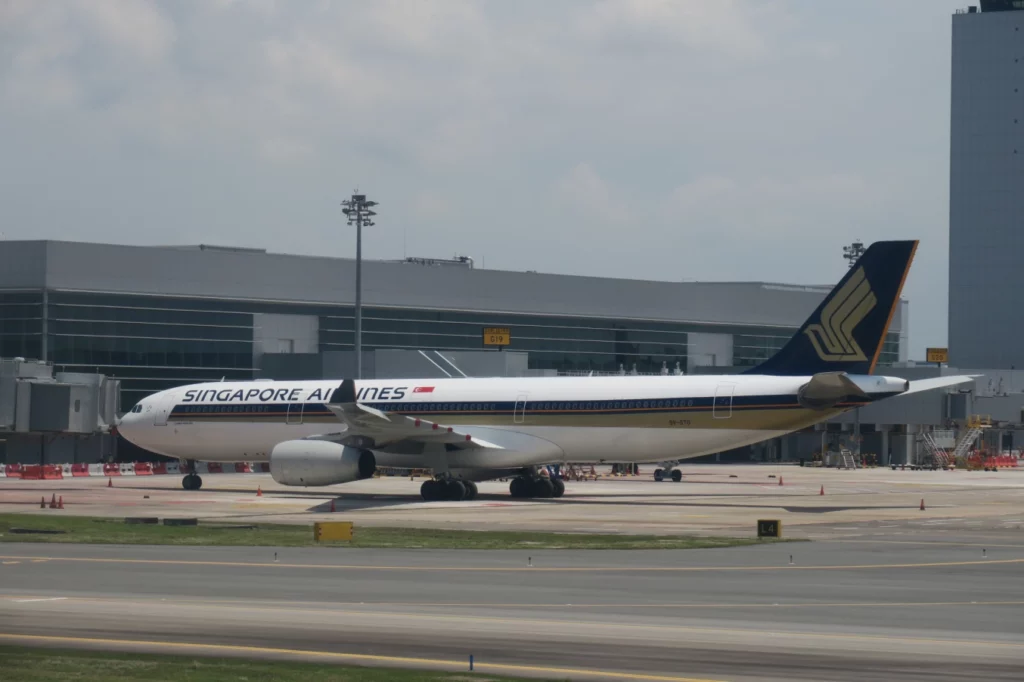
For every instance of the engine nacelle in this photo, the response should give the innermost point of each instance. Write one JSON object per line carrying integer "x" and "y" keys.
{"x": 319, "y": 462}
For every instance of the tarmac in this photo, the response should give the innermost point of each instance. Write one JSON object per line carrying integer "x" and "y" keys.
{"x": 839, "y": 611}
{"x": 711, "y": 500}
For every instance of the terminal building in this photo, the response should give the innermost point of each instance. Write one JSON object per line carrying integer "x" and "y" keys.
{"x": 157, "y": 317}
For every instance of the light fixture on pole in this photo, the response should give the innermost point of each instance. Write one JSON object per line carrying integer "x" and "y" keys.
{"x": 853, "y": 252}
{"x": 359, "y": 212}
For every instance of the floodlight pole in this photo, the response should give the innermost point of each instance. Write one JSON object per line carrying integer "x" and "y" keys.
{"x": 359, "y": 212}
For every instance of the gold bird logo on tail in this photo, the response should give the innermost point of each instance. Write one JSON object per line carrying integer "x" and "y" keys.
{"x": 832, "y": 337}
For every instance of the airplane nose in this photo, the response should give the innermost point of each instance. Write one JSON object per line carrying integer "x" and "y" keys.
{"x": 128, "y": 426}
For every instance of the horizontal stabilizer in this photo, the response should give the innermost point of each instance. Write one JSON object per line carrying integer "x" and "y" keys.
{"x": 939, "y": 382}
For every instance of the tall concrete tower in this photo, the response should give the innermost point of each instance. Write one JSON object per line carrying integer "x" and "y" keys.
{"x": 986, "y": 187}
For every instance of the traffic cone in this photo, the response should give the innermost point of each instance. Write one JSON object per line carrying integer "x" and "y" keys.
{"x": 822, "y": 491}
{"x": 53, "y": 501}
{"x": 110, "y": 483}
{"x": 332, "y": 505}
{"x": 259, "y": 491}
{"x": 42, "y": 502}
{"x": 60, "y": 502}
{"x": 780, "y": 480}
{"x": 922, "y": 504}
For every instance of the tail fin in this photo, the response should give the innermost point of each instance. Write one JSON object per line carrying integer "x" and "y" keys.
{"x": 846, "y": 332}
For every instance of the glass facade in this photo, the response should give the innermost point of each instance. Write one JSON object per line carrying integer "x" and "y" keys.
{"x": 21, "y": 325}
{"x": 153, "y": 343}
{"x": 559, "y": 343}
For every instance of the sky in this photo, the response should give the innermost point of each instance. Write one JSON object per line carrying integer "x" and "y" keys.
{"x": 674, "y": 140}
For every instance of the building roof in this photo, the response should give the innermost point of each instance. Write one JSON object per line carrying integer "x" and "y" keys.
{"x": 253, "y": 274}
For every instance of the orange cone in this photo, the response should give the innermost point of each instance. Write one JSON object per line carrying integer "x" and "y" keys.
{"x": 780, "y": 480}
{"x": 822, "y": 491}
{"x": 922, "y": 504}
{"x": 259, "y": 491}
{"x": 42, "y": 502}
{"x": 53, "y": 501}
{"x": 332, "y": 505}
{"x": 110, "y": 483}
{"x": 60, "y": 502}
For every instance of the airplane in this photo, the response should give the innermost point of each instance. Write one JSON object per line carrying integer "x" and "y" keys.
{"x": 326, "y": 432}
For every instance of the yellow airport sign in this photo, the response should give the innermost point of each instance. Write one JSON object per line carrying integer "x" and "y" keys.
{"x": 326, "y": 531}
{"x": 497, "y": 336}
{"x": 937, "y": 355}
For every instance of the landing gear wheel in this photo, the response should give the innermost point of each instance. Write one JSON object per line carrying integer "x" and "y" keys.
{"x": 677, "y": 475}
{"x": 431, "y": 490}
{"x": 192, "y": 482}
{"x": 659, "y": 475}
{"x": 455, "y": 491}
{"x": 471, "y": 490}
{"x": 543, "y": 488}
{"x": 559, "y": 486}
{"x": 519, "y": 487}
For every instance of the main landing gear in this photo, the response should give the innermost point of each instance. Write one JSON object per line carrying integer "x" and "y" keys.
{"x": 192, "y": 480}
{"x": 661, "y": 474}
{"x": 525, "y": 487}
{"x": 451, "y": 489}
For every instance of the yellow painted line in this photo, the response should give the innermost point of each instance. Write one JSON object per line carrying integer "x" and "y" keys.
{"x": 522, "y": 569}
{"x": 949, "y": 543}
{"x": 333, "y": 655}
{"x": 8, "y": 563}
{"x": 324, "y": 606}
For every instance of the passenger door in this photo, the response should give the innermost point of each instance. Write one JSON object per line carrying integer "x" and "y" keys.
{"x": 723, "y": 401}
{"x": 294, "y": 413}
{"x": 519, "y": 415}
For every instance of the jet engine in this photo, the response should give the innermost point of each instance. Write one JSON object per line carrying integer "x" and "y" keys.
{"x": 319, "y": 462}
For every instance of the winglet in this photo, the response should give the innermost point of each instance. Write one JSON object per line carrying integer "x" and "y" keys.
{"x": 847, "y": 331}
{"x": 346, "y": 393}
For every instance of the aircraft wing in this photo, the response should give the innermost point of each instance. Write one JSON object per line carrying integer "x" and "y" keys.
{"x": 939, "y": 382}
{"x": 366, "y": 424}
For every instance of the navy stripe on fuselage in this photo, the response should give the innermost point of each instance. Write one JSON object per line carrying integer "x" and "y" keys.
{"x": 539, "y": 407}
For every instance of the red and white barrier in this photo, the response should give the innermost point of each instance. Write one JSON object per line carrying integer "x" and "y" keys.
{"x": 49, "y": 472}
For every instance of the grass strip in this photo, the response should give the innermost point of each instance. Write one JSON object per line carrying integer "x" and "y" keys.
{"x": 96, "y": 530}
{"x": 61, "y": 665}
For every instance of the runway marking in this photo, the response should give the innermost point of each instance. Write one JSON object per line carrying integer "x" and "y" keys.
{"x": 460, "y": 664}
{"x": 519, "y": 569}
{"x": 27, "y": 601}
{"x": 9, "y": 563}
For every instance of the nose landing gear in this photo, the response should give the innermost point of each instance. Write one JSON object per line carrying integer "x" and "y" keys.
{"x": 192, "y": 480}
{"x": 661, "y": 474}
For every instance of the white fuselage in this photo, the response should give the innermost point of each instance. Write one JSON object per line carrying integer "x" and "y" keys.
{"x": 532, "y": 420}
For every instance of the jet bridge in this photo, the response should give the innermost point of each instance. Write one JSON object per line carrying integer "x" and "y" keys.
{"x": 48, "y": 417}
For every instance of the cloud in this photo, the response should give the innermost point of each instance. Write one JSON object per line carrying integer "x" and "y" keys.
{"x": 723, "y": 26}
{"x": 584, "y": 192}
{"x": 697, "y": 137}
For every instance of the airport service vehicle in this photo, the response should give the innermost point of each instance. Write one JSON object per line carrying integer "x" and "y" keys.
{"x": 319, "y": 433}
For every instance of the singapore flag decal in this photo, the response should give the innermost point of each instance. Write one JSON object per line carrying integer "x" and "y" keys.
{"x": 423, "y": 389}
